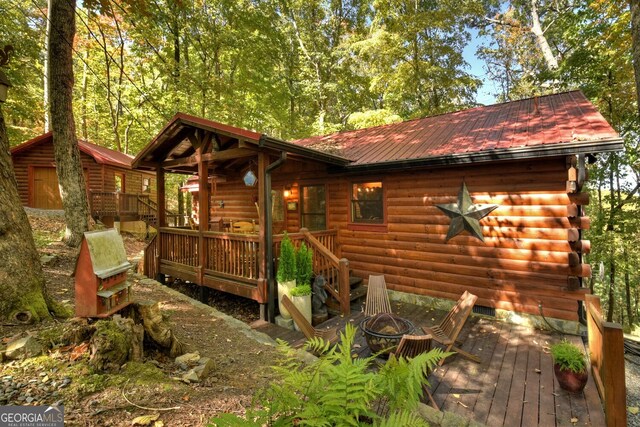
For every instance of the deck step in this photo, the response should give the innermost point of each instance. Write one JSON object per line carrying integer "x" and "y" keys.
{"x": 354, "y": 281}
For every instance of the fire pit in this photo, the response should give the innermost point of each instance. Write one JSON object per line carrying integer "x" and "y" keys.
{"x": 384, "y": 331}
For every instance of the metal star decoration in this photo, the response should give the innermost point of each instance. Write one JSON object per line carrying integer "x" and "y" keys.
{"x": 465, "y": 215}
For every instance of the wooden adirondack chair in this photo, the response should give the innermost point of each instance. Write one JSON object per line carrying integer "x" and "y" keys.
{"x": 446, "y": 333}
{"x": 412, "y": 345}
{"x": 306, "y": 328}
{"x": 377, "y": 297}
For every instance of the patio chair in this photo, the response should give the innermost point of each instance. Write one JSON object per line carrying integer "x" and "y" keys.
{"x": 412, "y": 345}
{"x": 377, "y": 297}
{"x": 243, "y": 226}
{"x": 306, "y": 328}
{"x": 446, "y": 333}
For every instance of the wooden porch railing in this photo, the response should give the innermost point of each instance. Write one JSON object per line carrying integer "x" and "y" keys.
{"x": 606, "y": 347}
{"x": 235, "y": 257}
{"x": 179, "y": 246}
{"x": 232, "y": 256}
{"x": 105, "y": 203}
{"x": 150, "y": 263}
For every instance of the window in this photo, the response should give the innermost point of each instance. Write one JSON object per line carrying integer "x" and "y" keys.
{"x": 146, "y": 185}
{"x": 367, "y": 205}
{"x": 119, "y": 182}
{"x": 313, "y": 207}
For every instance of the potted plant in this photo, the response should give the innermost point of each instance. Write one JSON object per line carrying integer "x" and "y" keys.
{"x": 301, "y": 294}
{"x": 286, "y": 275}
{"x": 570, "y": 366}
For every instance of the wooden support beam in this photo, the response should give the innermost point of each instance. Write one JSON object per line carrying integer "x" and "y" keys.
{"x": 162, "y": 218}
{"x": 232, "y": 153}
{"x": 262, "y": 221}
{"x": 203, "y": 213}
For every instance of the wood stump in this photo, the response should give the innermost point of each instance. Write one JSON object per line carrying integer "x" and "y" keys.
{"x": 156, "y": 327}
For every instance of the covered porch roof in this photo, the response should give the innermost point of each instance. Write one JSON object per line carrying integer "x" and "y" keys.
{"x": 175, "y": 147}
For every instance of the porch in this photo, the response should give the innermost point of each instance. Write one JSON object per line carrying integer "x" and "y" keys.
{"x": 130, "y": 207}
{"x": 514, "y": 385}
{"x": 231, "y": 262}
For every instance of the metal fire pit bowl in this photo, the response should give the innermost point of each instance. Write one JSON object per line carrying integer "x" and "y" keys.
{"x": 384, "y": 331}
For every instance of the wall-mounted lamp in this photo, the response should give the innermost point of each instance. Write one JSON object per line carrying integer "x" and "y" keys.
{"x": 221, "y": 203}
{"x": 287, "y": 192}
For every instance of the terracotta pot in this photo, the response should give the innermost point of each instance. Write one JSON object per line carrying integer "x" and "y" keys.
{"x": 569, "y": 380}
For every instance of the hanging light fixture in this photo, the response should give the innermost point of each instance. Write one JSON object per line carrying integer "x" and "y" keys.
{"x": 250, "y": 179}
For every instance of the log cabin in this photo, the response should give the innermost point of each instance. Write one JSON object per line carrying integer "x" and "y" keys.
{"x": 489, "y": 199}
{"x": 115, "y": 191}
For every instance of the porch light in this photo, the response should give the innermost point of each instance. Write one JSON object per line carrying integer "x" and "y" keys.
{"x": 250, "y": 179}
{"x": 287, "y": 192}
{"x": 4, "y": 86}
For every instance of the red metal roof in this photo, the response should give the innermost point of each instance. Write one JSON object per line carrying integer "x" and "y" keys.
{"x": 101, "y": 155}
{"x": 552, "y": 119}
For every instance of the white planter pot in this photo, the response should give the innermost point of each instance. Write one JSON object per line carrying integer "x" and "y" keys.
{"x": 303, "y": 304}
{"x": 285, "y": 289}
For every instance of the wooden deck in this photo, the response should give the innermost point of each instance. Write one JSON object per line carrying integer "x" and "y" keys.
{"x": 513, "y": 386}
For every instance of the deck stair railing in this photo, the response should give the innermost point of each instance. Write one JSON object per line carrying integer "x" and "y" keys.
{"x": 140, "y": 206}
{"x": 606, "y": 348}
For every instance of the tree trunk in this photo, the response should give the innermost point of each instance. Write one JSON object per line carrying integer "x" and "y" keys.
{"x": 611, "y": 236}
{"x": 45, "y": 80}
{"x": 65, "y": 143}
{"x": 635, "y": 44}
{"x": 20, "y": 270}
{"x": 541, "y": 40}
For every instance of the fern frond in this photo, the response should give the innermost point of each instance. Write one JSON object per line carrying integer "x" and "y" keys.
{"x": 402, "y": 418}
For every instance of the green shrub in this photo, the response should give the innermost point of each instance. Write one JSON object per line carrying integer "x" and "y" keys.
{"x": 301, "y": 290}
{"x": 287, "y": 260}
{"x": 304, "y": 265}
{"x": 568, "y": 356}
{"x": 339, "y": 390}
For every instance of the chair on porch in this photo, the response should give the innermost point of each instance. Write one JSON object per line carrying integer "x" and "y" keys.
{"x": 377, "y": 297}
{"x": 446, "y": 333}
{"x": 412, "y": 345}
{"x": 243, "y": 226}
{"x": 330, "y": 335}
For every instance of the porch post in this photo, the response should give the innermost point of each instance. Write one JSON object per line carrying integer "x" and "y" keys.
{"x": 203, "y": 212}
{"x": 162, "y": 217}
{"x": 263, "y": 276}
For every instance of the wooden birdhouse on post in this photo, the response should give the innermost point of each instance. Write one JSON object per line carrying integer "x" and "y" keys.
{"x": 101, "y": 275}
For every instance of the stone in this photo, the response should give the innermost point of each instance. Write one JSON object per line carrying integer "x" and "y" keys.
{"x": 29, "y": 399}
{"x": 24, "y": 348}
{"x": 204, "y": 368}
{"x": 285, "y": 323}
{"x": 190, "y": 377}
{"x": 148, "y": 282}
{"x": 47, "y": 259}
{"x": 453, "y": 420}
{"x": 430, "y": 414}
{"x": 187, "y": 359}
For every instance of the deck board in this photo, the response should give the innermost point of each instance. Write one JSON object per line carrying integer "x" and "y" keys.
{"x": 514, "y": 385}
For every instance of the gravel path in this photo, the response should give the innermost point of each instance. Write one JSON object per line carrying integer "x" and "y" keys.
{"x": 632, "y": 368}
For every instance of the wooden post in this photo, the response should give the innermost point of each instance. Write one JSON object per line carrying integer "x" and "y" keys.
{"x": 263, "y": 284}
{"x": 162, "y": 218}
{"x": 606, "y": 348}
{"x": 344, "y": 287}
{"x": 203, "y": 213}
{"x": 615, "y": 390}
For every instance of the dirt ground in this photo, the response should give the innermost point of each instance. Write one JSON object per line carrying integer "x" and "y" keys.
{"x": 242, "y": 364}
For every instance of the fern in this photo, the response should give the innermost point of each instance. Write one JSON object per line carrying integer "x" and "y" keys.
{"x": 339, "y": 389}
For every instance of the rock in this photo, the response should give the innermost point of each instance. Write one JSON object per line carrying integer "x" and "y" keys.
{"x": 24, "y": 348}
{"x": 148, "y": 282}
{"x": 29, "y": 399}
{"x": 190, "y": 377}
{"x": 47, "y": 259}
{"x": 187, "y": 359}
{"x": 204, "y": 368}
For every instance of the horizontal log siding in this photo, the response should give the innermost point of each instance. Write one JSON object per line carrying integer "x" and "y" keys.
{"x": 42, "y": 156}
{"x": 523, "y": 261}
{"x": 101, "y": 177}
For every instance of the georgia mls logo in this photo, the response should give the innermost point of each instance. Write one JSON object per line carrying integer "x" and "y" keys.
{"x": 31, "y": 416}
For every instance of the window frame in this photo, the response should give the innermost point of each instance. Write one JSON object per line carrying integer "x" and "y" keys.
{"x": 367, "y": 226}
{"x": 301, "y": 212}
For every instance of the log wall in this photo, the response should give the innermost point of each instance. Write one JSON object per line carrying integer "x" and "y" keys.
{"x": 531, "y": 240}
{"x": 100, "y": 177}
